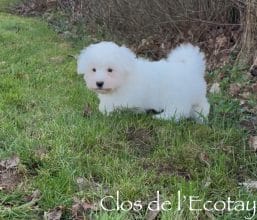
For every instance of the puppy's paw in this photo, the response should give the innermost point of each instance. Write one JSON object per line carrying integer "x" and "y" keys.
{"x": 167, "y": 116}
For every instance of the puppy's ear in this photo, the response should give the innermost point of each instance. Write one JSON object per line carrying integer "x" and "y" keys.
{"x": 81, "y": 62}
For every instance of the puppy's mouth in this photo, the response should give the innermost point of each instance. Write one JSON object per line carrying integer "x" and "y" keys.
{"x": 102, "y": 91}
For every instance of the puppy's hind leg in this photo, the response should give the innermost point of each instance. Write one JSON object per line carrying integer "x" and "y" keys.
{"x": 201, "y": 110}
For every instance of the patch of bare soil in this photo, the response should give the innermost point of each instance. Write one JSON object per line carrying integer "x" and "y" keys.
{"x": 10, "y": 176}
{"x": 141, "y": 140}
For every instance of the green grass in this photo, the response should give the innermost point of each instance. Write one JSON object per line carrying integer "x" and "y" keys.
{"x": 42, "y": 101}
{"x": 8, "y": 4}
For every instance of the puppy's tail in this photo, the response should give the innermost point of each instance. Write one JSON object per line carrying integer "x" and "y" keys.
{"x": 189, "y": 56}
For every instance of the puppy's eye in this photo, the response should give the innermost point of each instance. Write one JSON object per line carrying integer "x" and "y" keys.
{"x": 109, "y": 70}
{"x": 93, "y": 69}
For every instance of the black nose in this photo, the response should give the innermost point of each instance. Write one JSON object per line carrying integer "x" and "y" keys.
{"x": 100, "y": 84}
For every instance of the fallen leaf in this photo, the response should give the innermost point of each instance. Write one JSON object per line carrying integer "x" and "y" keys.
{"x": 204, "y": 158}
{"x": 221, "y": 41}
{"x": 251, "y": 184}
{"x": 209, "y": 215}
{"x": 87, "y": 206}
{"x": 245, "y": 95}
{"x": 84, "y": 183}
{"x": 51, "y": 4}
{"x": 34, "y": 196}
{"x": 228, "y": 149}
{"x": 54, "y": 214}
{"x": 255, "y": 109}
{"x": 254, "y": 88}
{"x": 253, "y": 142}
{"x": 58, "y": 59}
{"x": 87, "y": 111}
{"x": 207, "y": 182}
{"x": 250, "y": 125}
{"x": 80, "y": 208}
{"x": 215, "y": 88}
{"x": 221, "y": 75}
{"x": 234, "y": 89}
{"x": 242, "y": 102}
{"x": 253, "y": 69}
{"x": 152, "y": 215}
{"x": 153, "y": 212}
{"x": 41, "y": 153}
{"x": 67, "y": 34}
{"x": 9, "y": 163}
{"x": 81, "y": 183}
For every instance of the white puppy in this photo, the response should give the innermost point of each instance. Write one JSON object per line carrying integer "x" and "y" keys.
{"x": 175, "y": 86}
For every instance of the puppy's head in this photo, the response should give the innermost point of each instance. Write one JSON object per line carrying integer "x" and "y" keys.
{"x": 105, "y": 66}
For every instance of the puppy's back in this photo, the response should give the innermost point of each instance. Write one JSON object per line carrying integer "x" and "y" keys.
{"x": 189, "y": 56}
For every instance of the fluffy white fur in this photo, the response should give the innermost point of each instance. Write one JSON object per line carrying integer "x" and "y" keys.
{"x": 174, "y": 86}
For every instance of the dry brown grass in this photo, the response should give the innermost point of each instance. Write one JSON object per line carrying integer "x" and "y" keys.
{"x": 136, "y": 20}
{"x": 249, "y": 38}
{"x": 152, "y": 27}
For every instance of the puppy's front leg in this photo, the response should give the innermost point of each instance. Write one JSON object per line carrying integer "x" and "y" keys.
{"x": 105, "y": 108}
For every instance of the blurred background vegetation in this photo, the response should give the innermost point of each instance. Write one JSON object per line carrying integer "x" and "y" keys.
{"x": 224, "y": 29}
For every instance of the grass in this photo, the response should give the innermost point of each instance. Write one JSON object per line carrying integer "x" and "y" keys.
{"x": 42, "y": 100}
